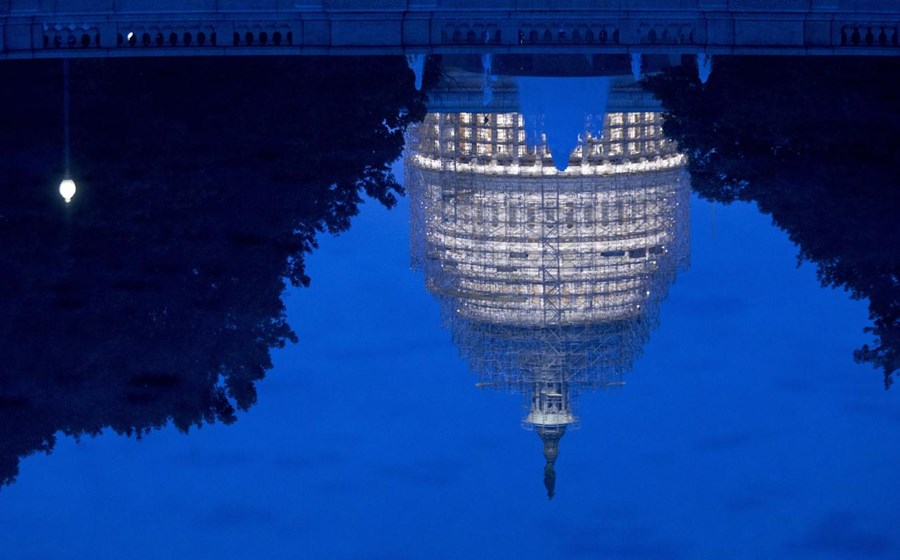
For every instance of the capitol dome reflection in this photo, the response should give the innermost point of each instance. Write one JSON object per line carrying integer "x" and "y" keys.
{"x": 549, "y": 281}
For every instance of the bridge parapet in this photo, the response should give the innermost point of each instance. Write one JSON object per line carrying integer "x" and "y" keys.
{"x": 250, "y": 6}
{"x": 64, "y": 28}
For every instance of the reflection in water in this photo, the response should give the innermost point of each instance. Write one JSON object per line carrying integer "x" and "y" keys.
{"x": 67, "y": 190}
{"x": 154, "y": 297}
{"x": 549, "y": 281}
{"x": 824, "y": 165}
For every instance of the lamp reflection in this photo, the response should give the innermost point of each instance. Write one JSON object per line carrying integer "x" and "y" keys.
{"x": 67, "y": 190}
{"x": 67, "y": 186}
{"x": 549, "y": 281}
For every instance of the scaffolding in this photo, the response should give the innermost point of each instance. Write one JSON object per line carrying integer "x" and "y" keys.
{"x": 550, "y": 282}
{"x": 544, "y": 274}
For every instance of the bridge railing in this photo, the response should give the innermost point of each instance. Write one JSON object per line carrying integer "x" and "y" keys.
{"x": 58, "y": 28}
{"x": 251, "y": 6}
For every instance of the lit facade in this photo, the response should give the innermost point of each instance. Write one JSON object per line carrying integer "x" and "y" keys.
{"x": 549, "y": 281}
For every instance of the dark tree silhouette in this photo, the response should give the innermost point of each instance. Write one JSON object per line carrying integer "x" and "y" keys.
{"x": 155, "y": 296}
{"x": 815, "y": 142}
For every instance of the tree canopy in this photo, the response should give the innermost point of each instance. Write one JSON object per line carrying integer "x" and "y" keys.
{"x": 155, "y": 296}
{"x": 814, "y": 142}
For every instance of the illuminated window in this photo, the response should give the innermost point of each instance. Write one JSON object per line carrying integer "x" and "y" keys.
{"x": 589, "y": 213}
{"x": 466, "y": 118}
{"x": 466, "y": 132}
{"x": 504, "y": 120}
{"x": 484, "y": 149}
{"x": 484, "y": 134}
{"x": 633, "y": 132}
{"x": 615, "y": 149}
{"x": 615, "y": 134}
{"x": 615, "y": 119}
{"x": 633, "y": 148}
{"x": 466, "y": 148}
{"x": 634, "y": 118}
{"x": 521, "y": 150}
{"x": 521, "y": 136}
{"x": 502, "y": 135}
{"x": 521, "y": 121}
{"x": 570, "y": 215}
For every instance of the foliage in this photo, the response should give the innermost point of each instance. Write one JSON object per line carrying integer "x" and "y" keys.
{"x": 814, "y": 142}
{"x": 155, "y": 296}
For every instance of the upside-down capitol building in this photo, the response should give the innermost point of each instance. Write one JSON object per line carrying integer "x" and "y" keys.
{"x": 549, "y": 281}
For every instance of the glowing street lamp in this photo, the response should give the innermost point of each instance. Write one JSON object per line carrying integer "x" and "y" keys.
{"x": 67, "y": 190}
{"x": 67, "y": 187}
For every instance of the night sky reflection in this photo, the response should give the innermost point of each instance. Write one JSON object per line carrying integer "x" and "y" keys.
{"x": 746, "y": 429}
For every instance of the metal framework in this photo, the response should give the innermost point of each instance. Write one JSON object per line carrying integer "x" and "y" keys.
{"x": 549, "y": 281}
{"x": 514, "y": 249}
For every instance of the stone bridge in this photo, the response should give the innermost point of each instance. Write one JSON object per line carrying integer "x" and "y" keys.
{"x": 75, "y": 28}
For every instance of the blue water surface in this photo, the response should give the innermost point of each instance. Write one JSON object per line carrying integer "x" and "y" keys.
{"x": 744, "y": 431}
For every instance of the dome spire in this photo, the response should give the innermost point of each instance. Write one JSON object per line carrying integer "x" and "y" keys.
{"x": 550, "y": 435}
